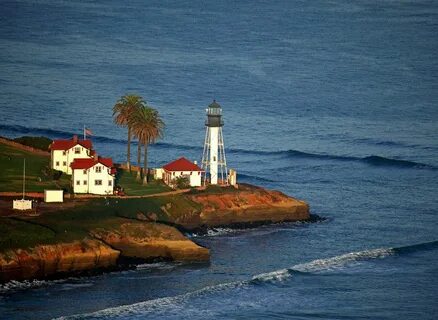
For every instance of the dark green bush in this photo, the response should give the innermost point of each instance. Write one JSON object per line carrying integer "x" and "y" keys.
{"x": 41, "y": 143}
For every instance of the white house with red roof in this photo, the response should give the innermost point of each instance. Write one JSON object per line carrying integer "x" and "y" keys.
{"x": 64, "y": 152}
{"x": 182, "y": 168}
{"x": 95, "y": 175}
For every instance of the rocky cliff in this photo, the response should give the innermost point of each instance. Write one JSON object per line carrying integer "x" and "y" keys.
{"x": 47, "y": 260}
{"x": 152, "y": 240}
{"x": 247, "y": 205}
{"x": 135, "y": 240}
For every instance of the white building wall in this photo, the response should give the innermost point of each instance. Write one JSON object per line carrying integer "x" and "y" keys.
{"x": 61, "y": 159}
{"x": 194, "y": 177}
{"x": 90, "y": 175}
{"x": 80, "y": 180}
{"x": 83, "y": 153}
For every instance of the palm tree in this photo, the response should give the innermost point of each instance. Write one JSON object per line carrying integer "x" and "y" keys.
{"x": 147, "y": 126}
{"x": 122, "y": 111}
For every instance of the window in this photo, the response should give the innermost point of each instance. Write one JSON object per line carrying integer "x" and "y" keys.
{"x": 85, "y": 182}
{"x": 77, "y": 150}
{"x": 191, "y": 172}
{"x": 97, "y": 182}
{"x": 173, "y": 173}
{"x": 181, "y": 173}
{"x": 85, "y": 171}
{"x": 214, "y": 158}
{"x": 57, "y": 163}
{"x": 110, "y": 183}
{"x": 98, "y": 169}
{"x": 78, "y": 183}
{"x": 64, "y": 163}
{"x": 64, "y": 153}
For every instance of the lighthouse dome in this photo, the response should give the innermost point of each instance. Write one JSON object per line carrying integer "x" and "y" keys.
{"x": 214, "y": 104}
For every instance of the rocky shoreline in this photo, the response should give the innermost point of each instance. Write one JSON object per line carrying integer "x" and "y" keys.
{"x": 147, "y": 239}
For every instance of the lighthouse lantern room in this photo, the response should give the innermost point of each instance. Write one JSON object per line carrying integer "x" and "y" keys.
{"x": 214, "y": 162}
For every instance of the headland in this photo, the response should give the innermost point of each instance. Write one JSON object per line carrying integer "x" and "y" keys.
{"x": 89, "y": 234}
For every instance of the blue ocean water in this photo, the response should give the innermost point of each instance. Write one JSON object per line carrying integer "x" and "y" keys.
{"x": 334, "y": 102}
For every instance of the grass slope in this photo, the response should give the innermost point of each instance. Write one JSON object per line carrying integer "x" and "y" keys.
{"x": 76, "y": 223}
{"x": 134, "y": 187}
{"x": 38, "y": 174}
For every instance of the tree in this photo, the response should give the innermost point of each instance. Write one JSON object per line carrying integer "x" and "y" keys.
{"x": 122, "y": 111}
{"x": 147, "y": 126}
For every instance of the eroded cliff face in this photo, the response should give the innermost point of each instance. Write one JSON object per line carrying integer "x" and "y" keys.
{"x": 152, "y": 240}
{"x": 47, "y": 260}
{"x": 139, "y": 240}
{"x": 249, "y": 205}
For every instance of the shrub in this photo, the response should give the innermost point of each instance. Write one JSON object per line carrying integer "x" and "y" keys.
{"x": 41, "y": 143}
{"x": 182, "y": 182}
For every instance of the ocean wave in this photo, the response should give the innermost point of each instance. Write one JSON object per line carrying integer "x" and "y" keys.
{"x": 382, "y": 161}
{"x": 175, "y": 303}
{"x": 425, "y": 246}
{"x": 249, "y": 177}
{"x": 373, "y": 160}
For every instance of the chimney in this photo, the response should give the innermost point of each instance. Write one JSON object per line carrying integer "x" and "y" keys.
{"x": 195, "y": 162}
{"x": 75, "y": 138}
{"x": 96, "y": 157}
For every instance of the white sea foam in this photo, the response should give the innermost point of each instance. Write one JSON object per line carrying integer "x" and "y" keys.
{"x": 168, "y": 304}
{"x": 157, "y": 265}
{"x": 278, "y": 275}
{"x": 214, "y": 232}
{"x": 342, "y": 261}
{"x": 26, "y": 284}
{"x": 177, "y": 303}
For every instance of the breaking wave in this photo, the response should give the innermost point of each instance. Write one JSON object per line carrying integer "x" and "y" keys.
{"x": 315, "y": 266}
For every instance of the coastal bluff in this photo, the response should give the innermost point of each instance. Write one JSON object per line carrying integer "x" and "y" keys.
{"x": 97, "y": 234}
{"x": 249, "y": 205}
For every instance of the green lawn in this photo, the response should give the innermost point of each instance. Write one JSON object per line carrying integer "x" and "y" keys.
{"x": 38, "y": 174}
{"x": 133, "y": 187}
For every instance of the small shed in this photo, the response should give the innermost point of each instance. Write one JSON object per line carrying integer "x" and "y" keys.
{"x": 53, "y": 196}
{"x": 182, "y": 168}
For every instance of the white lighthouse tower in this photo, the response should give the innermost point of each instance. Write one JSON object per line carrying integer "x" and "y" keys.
{"x": 213, "y": 157}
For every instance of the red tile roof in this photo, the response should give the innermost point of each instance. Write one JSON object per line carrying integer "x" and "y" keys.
{"x": 68, "y": 144}
{"x": 182, "y": 164}
{"x": 88, "y": 163}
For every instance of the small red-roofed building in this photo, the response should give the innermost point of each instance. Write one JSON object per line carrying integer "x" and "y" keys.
{"x": 182, "y": 168}
{"x": 93, "y": 175}
{"x": 64, "y": 152}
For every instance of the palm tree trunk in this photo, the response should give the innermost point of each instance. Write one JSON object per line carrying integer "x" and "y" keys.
{"x": 128, "y": 152}
{"x": 139, "y": 160}
{"x": 145, "y": 164}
